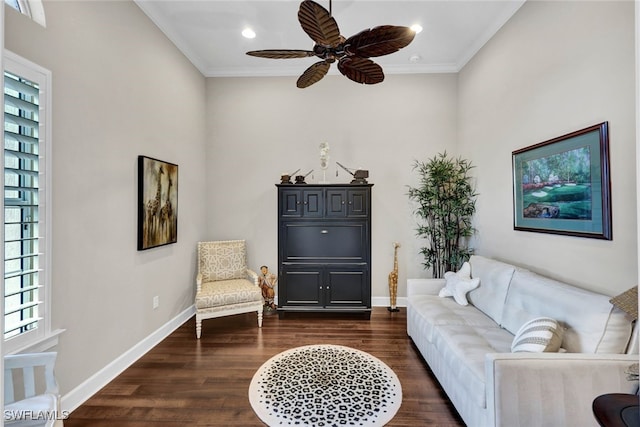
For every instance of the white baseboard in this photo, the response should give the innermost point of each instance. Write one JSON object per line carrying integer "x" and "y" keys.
{"x": 76, "y": 397}
{"x": 385, "y": 302}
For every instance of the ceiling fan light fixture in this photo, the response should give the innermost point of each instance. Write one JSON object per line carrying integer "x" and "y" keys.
{"x": 248, "y": 33}
{"x": 417, "y": 28}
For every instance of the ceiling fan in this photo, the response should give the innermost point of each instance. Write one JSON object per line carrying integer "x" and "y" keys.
{"x": 352, "y": 54}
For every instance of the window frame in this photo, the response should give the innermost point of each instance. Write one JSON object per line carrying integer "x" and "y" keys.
{"x": 41, "y": 337}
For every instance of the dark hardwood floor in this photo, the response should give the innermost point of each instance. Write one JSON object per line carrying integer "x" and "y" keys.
{"x": 187, "y": 382}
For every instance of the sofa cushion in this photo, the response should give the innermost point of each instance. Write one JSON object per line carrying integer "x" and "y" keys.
{"x": 495, "y": 277}
{"x": 432, "y": 311}
{"x": 463, "y": 349}
{"x": 592, "y": 324}
{"x": 538, "y": 335}
{"x": 458, "y": 284}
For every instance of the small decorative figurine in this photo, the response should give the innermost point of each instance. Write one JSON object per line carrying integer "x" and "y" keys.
{"x": 268, "y": 283}
{"x": 324, "y": 161}
{"x": 359, "y": 176}
{"x": 393, "y": 279}
{"x": 285, "y": 178}
{"x": 300, "y": 178}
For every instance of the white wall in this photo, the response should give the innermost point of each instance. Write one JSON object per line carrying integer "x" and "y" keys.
{"x": 555, "y": 67}
{"x": 120, "y": 89}
{"x": 259, "y": 128}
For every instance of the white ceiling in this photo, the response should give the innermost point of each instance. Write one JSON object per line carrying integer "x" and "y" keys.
{"x": 208, "y": 32}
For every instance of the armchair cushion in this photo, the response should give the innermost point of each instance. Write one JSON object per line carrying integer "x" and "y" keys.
{"x": 227, "y": 292}
{"x": 222, "y": 260}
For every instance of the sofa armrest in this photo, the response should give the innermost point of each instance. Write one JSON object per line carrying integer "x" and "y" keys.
{"x": 552, "y": 388}
{"x": 424, "y": 286}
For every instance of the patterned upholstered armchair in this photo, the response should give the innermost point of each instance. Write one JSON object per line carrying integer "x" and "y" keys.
{"x": 224, "y": 284}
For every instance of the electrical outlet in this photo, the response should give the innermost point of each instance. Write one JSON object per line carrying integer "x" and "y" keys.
{"x": 156, "y": 302}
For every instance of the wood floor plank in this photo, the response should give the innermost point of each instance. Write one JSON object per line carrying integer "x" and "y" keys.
{"x": 188, "y": 382}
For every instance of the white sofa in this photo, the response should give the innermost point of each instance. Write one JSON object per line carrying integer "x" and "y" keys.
{"x": 468, "y": 348}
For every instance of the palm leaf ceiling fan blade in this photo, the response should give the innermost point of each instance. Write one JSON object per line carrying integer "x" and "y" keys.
{"x": 361, "y": 70}
{"x": 281, "y": 53}
{"x": 313, "y": 74}
{"x": 379, "y": 41}
{"x": 318, "y": 23}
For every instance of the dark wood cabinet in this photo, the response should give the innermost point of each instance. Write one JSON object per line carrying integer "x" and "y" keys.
{"x": 324, "y": 248}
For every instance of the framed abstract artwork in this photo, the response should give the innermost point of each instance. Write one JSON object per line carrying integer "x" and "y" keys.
{"x": 562, "y": 186}
{"x": 157, "y": 203}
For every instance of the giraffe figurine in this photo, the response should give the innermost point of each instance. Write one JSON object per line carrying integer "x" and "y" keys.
{"x": 393, "y": 279}
{"x": 153, "y": 209}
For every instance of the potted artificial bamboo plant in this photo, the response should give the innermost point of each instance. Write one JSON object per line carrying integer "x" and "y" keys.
{"x": 446, "y": 202}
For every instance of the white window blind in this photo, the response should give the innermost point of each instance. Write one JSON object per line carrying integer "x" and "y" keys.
{"x": 26, "y": 278}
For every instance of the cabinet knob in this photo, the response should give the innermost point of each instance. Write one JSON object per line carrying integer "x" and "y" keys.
{"x": 320, "y": 287}
{"x": 324, "y": 232}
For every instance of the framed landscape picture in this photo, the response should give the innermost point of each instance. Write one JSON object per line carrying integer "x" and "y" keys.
{"x": 157, "y": 203}
{"x": 562, "y": 186}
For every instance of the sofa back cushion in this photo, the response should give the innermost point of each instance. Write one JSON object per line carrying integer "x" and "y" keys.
{"x": 495, "y": 277}
{"x": 592, "y": 324}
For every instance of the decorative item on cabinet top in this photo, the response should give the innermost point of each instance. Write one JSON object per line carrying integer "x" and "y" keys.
{"x": 300, "y": 178}
{"x": 359, "y": 175}
{"x": 285, "y": 178}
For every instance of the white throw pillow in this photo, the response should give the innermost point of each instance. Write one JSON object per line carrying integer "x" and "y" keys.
{"x": 458, "y": 284}
{"x": 538, "y": 335}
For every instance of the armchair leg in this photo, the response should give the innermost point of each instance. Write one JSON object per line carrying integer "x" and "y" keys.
{"x": 198, "y": 328}
{"x": 260, "y": 317}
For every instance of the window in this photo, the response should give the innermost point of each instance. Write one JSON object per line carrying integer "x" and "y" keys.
{"x": 17, "y": 5}
{"x": 32, "y": 8}
{"x": 27, "y": 229}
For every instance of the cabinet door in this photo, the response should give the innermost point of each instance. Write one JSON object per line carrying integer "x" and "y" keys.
{"x": 357, "y": 203}
{"x": 352, "y": 203}
{"x": 336, "y": 203}
{"x": 296, "y": 202}
{"x": 301, "y": 285}
{"x": 324, "y": 242}
{"x": 347, "y": 286}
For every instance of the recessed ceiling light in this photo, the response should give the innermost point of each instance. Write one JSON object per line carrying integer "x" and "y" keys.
{"x": 248, "y": 33}
{"x": 416, "y": 28}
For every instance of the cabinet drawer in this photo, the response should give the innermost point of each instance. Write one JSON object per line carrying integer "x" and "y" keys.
{"x": 325, "y": 241}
